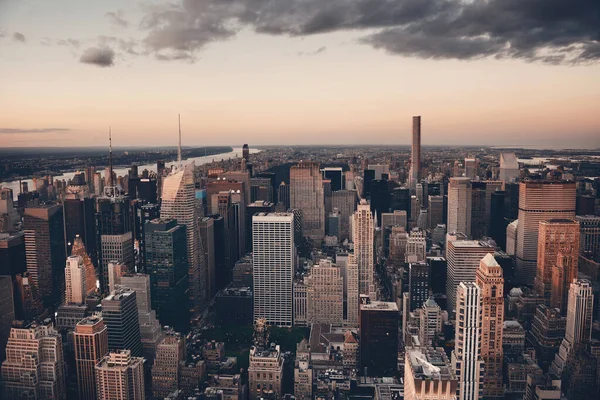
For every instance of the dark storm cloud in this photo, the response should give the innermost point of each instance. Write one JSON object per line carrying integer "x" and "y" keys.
{"x": 117, "y": 18}
{"x": 9, "y": 131}
{"x": 19, "y": 37}
{"x": 99, "y": 56}
{"x": 552, "y": 31}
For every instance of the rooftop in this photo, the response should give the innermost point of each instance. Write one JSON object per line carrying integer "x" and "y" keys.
{"x": 380, "y": 305}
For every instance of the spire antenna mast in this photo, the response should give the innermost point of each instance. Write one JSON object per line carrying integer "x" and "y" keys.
{"x": 179, "y": 148}
{"x": 110, "y": 160}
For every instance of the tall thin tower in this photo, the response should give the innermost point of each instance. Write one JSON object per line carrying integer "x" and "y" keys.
{"x": 362, "y": 225}
{"x": 179, "y": 202}
{"x": 415, "y": 154}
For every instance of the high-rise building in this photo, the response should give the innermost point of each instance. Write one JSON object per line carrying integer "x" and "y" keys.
{"x": 509, "y": 168}
{"x": 246, "y": 152}
{"x": 431, "y": 322}
{"x": 207, "y": 233}
{"x": 590, "y": 235}
{"x": 416, "y": 246}
{"x": 90, "y": 277}
{"x": 546, "y": 334}
{"x": 265, "y": 373}
{"x": 539, "y": 201}
{"x": 79, "y": 220}
{"x": 143, "y": 215}
{"x": 459, "y": 206}
{"x": 428, "y": 374}
{"x": 307, "y": 194}
{"x": 76, "y": 289}
{"x": 9, "y": 217}
{"x": 363, "y": 237}
{"x": 34, "y": 366}
{"x": 45, "y": 250}
{"x": 415, "y": 154}
{"x": 7, "y": 311}
{"x": 12, "y": 254}
{"x": 463, "y": 258}
{"x": 466, "y": 357}
{"x": 579, "y": 322}
{"x": 336, "y": 176}
{"x": 325, "y": 294}
{"x": 178, "y": 202}
{"x": 273, "y": 263}
{"x": 351, "y": 292}
{"x": 165, "y": 371}
{"x": 120, "y": 314}
{"x": 283, "y": 195}
{"x": 478, "y": 221}
{"x": 471, "y": 167}
{"x": 557, "y": 238}
{"x": 378, "y": 337}
{"x": 345, "y": 202}
{"x": 491, "y": 284}
{"x": 435, "y": 213}
{"x": 418, "y": 284}
{"x": 91, "y": 345}
{"x": 150, "y": 330}
{"x": 120, "y": 376}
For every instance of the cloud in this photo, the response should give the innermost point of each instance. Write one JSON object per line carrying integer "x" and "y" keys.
{"x": 117, "y": 18}
{"x": 99, "y": 56}
{"x": 313, "y": 53}
{"x": 19, "y": 37}
{"x": 10, "y": 131}
{"x": 550, "y": 31}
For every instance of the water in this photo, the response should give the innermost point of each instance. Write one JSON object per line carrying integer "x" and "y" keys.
{"x": 14, "y": 185}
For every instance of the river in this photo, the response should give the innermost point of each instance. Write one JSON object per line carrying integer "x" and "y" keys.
{"x": 122, "y": 171}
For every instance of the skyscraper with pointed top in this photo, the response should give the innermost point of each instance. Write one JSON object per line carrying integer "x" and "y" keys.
{"x": 179, "y": 202}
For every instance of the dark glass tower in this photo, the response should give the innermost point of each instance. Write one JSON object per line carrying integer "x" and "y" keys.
{"x": 120, "y": 314}
{"x": 166, "y": 263}
{"x": 378, "y": 337}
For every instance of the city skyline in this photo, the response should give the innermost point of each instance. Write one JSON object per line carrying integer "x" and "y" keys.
{"x": 349, "y": 78}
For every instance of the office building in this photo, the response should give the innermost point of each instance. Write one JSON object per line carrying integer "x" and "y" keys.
{"x": 336, "y": 176}
{"x": 325, "y": 294}
{"x": 418, "y": 284}
{"x": 466, "y": 357}
{"x": 459, "y": 206}
{"x": 351, "y": 292}
{"x": 34, "y": 366}
{"x": 7, "y": 312}
{"x": 478, "y": 221}
{"x": 590, "y": 235}
{"x": 415, "y": 154}
{"x": 428, "y": 374}
{"x": 497, "y": 221}
{"x": 512, "y": 230}
{"x": 539, "y": 201}
{"x": 416, "y": 246}
{"x": 306, "y": 194}
{"x": 76, "y": 284}
{"x": 120, "y": 314}
{"x": 235, "y": 305}
{"x": 471, "y": 167}
{"x": 363, "y": 231}
{"x": 143, "y": 215}
{"x": 91, "y": 345}
{"x": 207, "y": 233}
{"x": 435, "y": 212}
{"x": 491, "y": 284}
{"x": 557, "y": 260}
{"x": 79, "y": 220}
{"x": 283, "y": 195}
{"x": 463, "y": 257}
{"x": 273, "y": 267}
{"x": 178, "y": 202}
{"x": 430, "y": 322}
{"x": 120, "y": 376}
{"x": 546, "y": 334}
{"x": 378, "y": 337}
{"x": 579, "y": 322}
{"x": 45, "y": 250}
{"x": 345, "y": 202}
{"x": 265, "y": 373}
{"x": 509, "y": 168}
{"x": 12, "y": 254}
{"x": 165, "y": 371}
{"x": 303, "y": 372}
{"x": 150, "y": 330}
{"x": 89, "y": 270}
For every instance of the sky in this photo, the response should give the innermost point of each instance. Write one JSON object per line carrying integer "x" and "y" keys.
{"x": 483, "y": 72}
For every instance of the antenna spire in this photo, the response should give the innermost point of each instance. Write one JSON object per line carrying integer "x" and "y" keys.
{"x": 110, "y": 161}
{"x": 179, "y": 148}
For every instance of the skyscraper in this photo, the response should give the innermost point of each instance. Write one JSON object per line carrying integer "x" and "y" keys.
{"x": 207, "y": 233}
{"x": 89, "y": 271}
{"x": 436, "y": 211}
{"x": 463, "y": 260}
{"x": 415, "y": 154}
{"x": 539, "y": 201}
{"x": 378, "y": 337}
{"x": 178, "y": 202}
{"x": 325, "y": 294}
{"x": 7, "y": 311}
{"x": 579, "y": 322}
{"x": 509, "y": 168}
{"x": 79, "y": 220}
{"x": 307, "y": 194}
{"x": 345, "y": 202}
{"x": 273, "y": 262}
{"x": 352, "y": 293}
{"x": 491, "y": 284}
{"x": 418, "y": 284}
{"x": 466, "y": 357}
{"x": 120, "y": 376}
{"x": 363, "y": 237}
{"x": 283, "y": 195}
{"x": 91, "y": 345}
{"x": 590, "y": 235}
{"x": 34, "y": 365}
{"x": 76, "y": 289}
{"x": 556, "y": 237}
{"x": 459, "y": 206}
{"x": 165, "y": 371}
{"x": 120, "y": 314}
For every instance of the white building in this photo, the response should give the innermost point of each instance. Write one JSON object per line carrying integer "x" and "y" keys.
{"x": 459, "y": 206}
{"x": 509, "y": 168}
{"x": 416, "y": 247}
{"x": 75, "y": 283}
{"x": 273, "y": 263}
{"x": 120, "y": 377}
{"x": 466, "y": 357}
{"x": 511, "y": 237}
{"x": 428, "y": 375}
